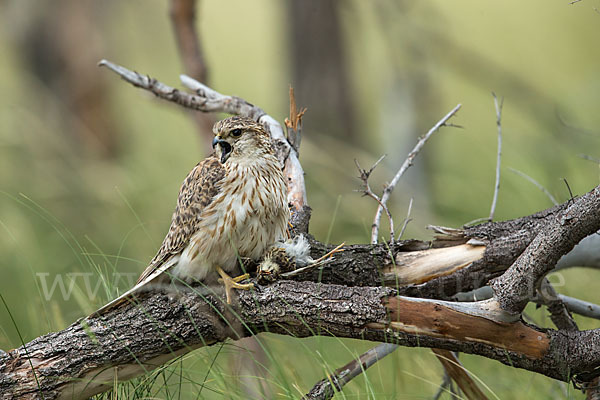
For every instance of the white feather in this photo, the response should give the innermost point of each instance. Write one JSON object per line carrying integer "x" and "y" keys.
{"x": 297, "y": 249}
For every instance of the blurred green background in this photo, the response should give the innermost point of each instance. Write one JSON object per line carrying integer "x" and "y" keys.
{"x": 90, "y": 166}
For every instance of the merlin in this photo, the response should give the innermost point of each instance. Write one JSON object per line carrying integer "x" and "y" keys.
{"x": 232, "y": 205}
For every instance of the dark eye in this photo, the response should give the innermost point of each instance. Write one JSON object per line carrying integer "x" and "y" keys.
{"x": 236, "y": 132}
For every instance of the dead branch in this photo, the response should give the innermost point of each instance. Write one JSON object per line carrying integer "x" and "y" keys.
{"x": 516, "y": 287}
{"x": 366, "y": 190}
{"x": 326, "y": 388}
{"x": 293, "y": 124}
{"x": 407, "y": 163}
{"x": 87, "y": 357}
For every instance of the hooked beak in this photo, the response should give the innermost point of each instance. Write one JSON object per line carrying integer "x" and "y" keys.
{"x": 224, "y": 146}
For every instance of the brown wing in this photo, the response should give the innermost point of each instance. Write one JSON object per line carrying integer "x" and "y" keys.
{"x": 197, "y": 191}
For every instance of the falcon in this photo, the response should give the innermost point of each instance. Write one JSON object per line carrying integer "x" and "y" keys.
{"x": 232, "y": 205}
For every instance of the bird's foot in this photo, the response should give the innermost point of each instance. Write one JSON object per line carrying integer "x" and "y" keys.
{"x": 240, "y": 278}
{"x": 232, "y": 283}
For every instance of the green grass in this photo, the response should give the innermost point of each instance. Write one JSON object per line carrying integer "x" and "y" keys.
{"x": 66, "y": 210}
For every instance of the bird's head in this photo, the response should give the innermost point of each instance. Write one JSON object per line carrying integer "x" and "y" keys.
{"x": 240, "y": 138}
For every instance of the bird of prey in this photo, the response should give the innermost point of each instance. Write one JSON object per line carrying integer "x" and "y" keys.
{"x": 231, "y": 205}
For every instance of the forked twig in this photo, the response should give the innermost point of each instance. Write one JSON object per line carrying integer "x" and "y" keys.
{"x": 364, "y": 176}
{"x": 407, "y": 163}
{"x": 366, "y": 190}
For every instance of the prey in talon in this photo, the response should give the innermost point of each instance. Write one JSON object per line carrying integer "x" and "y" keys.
{"x": 288, "y": 258}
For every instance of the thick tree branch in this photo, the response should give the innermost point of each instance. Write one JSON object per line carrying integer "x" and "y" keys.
{"x": 518, "y": 285}
{"x": 349, "y": 312}
{"x": 434, "y": 269}
{"x": 82, "y": 360}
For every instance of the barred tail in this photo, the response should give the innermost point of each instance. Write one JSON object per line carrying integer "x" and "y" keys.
{"x": 129, "y": 296}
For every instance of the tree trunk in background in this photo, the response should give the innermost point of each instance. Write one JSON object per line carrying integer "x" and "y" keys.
{"x": 61, "y": 46}
{"x": 183, "y": 19}
{"x": 319, "y": 65}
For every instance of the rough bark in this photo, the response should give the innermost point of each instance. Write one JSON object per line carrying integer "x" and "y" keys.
{"x": 372, "y": 265}
{"x": 517, "y": 286}
{"x": 85, "y": 358}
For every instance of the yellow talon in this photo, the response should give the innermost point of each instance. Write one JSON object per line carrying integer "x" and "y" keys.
{"x": 232, "y": 283}
{"x": 241, "y": 278}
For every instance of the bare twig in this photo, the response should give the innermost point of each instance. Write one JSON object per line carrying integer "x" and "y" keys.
{"x": 498, "y": 107}
{"x": 364, "y": 177}
{"x": 407, "y": 163}
{"x": 206, "y": 99}
{"x": 407, "y": 219}
{"x": 568, "y": 188}
{"x": 536, "y": 183}
{"x": 326, "y": 388}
